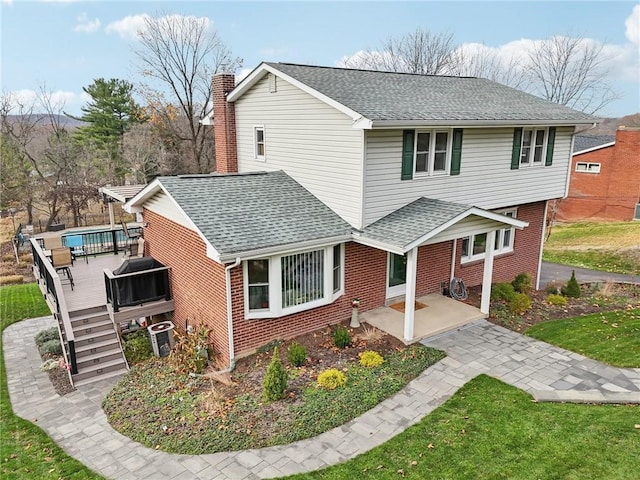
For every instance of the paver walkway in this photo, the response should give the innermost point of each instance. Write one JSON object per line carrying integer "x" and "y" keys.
{"x": 77, "y": 422}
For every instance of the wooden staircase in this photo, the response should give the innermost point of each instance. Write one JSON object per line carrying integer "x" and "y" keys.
{"x": 98, "y": 351}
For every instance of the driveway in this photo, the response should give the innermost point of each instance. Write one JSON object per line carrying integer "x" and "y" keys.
{"x": 558, "y": 272}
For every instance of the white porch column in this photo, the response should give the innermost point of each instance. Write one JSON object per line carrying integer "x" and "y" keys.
{"x": 487, "y": 273}
{"x": 112, "y": 217}
{"x": 410, "y": 295}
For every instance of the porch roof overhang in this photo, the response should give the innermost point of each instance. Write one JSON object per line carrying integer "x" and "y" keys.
{"x": 426, "y": 221}
{"x": 120, "y": 194}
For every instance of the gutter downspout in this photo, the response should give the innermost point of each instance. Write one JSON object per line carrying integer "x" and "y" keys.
{"x": 232, "y": 358}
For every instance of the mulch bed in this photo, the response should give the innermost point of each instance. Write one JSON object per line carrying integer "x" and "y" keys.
{"x": 59, "y": 378}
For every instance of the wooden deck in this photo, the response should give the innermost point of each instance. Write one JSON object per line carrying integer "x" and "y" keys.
{"x": 88, "y": 277}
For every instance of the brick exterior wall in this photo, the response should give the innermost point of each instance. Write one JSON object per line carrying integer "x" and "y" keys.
{"x": 197, "y": 282}
{"x": 224, "y": 124}
{"x": 611, "y": 194}
{"x": 525, "y": 255}
{"x": 199, "y": 291}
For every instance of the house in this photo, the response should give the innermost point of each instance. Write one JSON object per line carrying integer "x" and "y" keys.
{"x": 605, "y": 178}
{"x": 334, "y": 184}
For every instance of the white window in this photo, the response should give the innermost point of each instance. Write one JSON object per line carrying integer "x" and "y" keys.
{"x": 432, "y": 152}
{"x": 588, "y": 167}
{"x": 286, "y": 284}
{"x": 259, "y": 146}
{"x": 533, "y": 149}
{"x": 474, "y": 246}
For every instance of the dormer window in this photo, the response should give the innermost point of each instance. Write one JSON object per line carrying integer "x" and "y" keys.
{"x": 259, "y": 145}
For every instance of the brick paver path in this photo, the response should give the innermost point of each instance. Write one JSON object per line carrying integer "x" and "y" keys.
{"x": 77, "y": 422}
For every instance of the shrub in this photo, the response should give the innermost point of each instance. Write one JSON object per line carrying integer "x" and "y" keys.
{"x": 190, "y": 353}
{"x": 51, "y": 347}
{"x": 522, "y": 283}
{"x": 341, "y": 337}
{"x": 520, "y": 303}
{"x": 371, "y": 359}
{"x": 502, "y": 291}
{"x": 553, "y": 288}
{"x": 296, "y": 354}
{"x": 275, "y": 380}
{"x": 46, "y": 335}
{"x": 137, "y": 347}
{"x": 332, "y": 379}
{"x": 572, "y": 288}
{"x": 555, "y": 299}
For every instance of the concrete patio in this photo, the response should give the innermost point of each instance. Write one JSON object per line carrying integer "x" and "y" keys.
{"x": 439, "y": 315}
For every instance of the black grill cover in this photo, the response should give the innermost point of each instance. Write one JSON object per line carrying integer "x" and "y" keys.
{"x": 138, "y": 289}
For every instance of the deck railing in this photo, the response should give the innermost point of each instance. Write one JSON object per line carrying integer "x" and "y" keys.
{"x": 137, "y": 288}
{"x": 51, "y": 287}
{"x": 102, "y": 241}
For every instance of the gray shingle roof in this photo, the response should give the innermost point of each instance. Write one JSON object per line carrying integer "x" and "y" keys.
{"x": 584, "y": 142}
{"x": 240, "y": 213}
{"x": 409, "y": 223}
{"x": 400, "y": 96}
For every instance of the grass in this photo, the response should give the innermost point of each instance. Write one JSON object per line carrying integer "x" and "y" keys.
{"x": 489, "y": 430}
{"x": 609, "y": 247}
{"x": 26, "y": 452}
{"x": 610, "y": 337}
{"x": 164, "y": 410}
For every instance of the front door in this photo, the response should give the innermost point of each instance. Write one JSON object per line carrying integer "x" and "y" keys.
{"x": 396, "y": 275}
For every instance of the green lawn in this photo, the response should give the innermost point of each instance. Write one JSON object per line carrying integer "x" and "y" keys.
{"x": 489, "y": 430}
{"x": 611, "y": 337}
{"x": 26, "y": 451}
{"x": 610, "y": 247}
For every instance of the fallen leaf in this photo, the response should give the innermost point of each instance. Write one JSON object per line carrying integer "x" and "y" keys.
{"x": 401, "y": 472}
{"x": 637, "y": 425}
{"x": 379, "y": 467}
{"x": 414, "y": 463}
{"x": 431, "y": 446}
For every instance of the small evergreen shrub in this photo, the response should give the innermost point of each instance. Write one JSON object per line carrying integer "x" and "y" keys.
{"x": 51, "y": 347}
{"x": 572, "y": 289}
{"x": 341, "y": 337}
{"x": 137, "y": 347}
{"x": 371, "y": 359}
{"x": 522, "y": 283}
{"x": 555, "y": 299}
{"x": 520, "y": 303}
{"x": 502, "y": 292}
{"x": 46, "y": 335}
{"x": 332, "y": 379}
{"x": 296, "y": 354}
{"x": 275, "y": 380}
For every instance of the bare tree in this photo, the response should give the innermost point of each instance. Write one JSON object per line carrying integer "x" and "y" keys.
{"x": 476, "y": 60}
{"x": 183, "y": 53}
{"x": 417, "y": 52}
{"x": 571, "y": 72}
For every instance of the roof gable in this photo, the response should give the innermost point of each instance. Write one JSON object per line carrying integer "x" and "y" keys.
{"x": 385, "y": 98}
{"x": 241, "y": 213}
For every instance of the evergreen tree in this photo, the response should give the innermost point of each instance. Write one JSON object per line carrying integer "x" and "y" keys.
{"x": 110, "y": 113}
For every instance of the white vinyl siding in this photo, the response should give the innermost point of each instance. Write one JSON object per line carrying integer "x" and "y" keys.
{"x": 161, "y": 204}
{"x": 486, "y": 179}
{"x": 309, "y": 140}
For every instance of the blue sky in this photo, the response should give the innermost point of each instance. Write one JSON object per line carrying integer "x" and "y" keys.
{"x": 66, "y": 44}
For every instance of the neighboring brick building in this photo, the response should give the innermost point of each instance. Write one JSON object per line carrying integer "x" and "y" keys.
{"x": 604, "y": 180}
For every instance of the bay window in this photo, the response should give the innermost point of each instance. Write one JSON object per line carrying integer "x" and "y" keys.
{"x": 285, "y": 284}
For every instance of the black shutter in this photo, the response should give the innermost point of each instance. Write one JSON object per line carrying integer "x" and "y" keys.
{"x": 517, "y": 143}
{"x": 407, "y": 154}
{"x": 550, "y": 141}
{"x": 456, "y": 151}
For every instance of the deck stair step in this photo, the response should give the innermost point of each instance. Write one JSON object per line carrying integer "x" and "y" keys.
{"x": 95, "y": 371}
{"x": 98, "y": 359}
{"x": 91, "y": 329}
{"x": 98, "y": 345}
{"x": 97, "y": 337}
{"x": 102, "y": 376}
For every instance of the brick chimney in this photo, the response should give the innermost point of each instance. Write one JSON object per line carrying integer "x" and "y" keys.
{"x": 224, "y": 124}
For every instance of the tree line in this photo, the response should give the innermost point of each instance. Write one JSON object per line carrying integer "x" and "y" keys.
{"x": 49, "y": 167}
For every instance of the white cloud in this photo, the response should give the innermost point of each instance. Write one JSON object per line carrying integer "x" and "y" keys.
{"x": 243, "y": 73}
{"x": 7, "y": 2}
{"x": 128, "y": 27}
{"x": 85, "y": 25}
{"x": 60, "y": 99}
{"x": 633, "y": 26}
